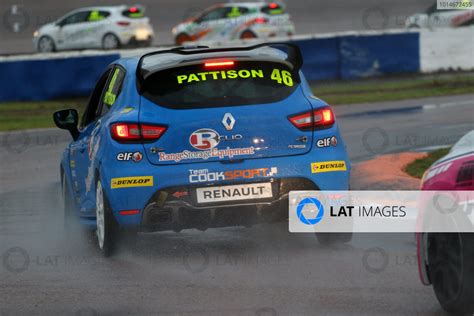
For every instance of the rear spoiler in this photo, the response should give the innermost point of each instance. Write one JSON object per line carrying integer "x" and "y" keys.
{"x": 293, "y": 52}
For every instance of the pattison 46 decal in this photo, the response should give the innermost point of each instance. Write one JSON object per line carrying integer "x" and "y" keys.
{"x": 203, "y": 175}
{"x": 280, "y": 76}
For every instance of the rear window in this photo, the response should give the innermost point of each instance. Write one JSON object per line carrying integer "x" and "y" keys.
{"x": 222, "y": 83}
{"x": 134, "y": 13}
{"x": 273, "y": 9}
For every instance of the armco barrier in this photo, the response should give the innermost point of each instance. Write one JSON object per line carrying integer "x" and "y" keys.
{"x": 321, "y": 57}
{"x": 51, "y": 78}
{"x": 375, "y": 55}
{"x": 346, "y": 55}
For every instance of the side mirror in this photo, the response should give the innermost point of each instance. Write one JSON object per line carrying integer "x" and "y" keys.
{"x": 67, "y": 119}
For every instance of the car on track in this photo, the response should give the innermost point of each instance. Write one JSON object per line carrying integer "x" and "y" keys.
{"x": 197, "y": 138}
{"x": 440, "y": 18}
{"x": 234, "y": 21}
{"x": 446, "y": 260}
{"x": 105, "y": 27}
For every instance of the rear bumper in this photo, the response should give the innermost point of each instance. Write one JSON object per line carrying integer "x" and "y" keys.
{"x": 172, "y": 186}
{"x": 176, "y": 208}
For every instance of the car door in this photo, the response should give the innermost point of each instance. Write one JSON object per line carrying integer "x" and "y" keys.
{"x": 71, "y": 31}
{"x": 84, "y": 148}
{"x": 95, "y": 28}
{"x": 210, "y": 24}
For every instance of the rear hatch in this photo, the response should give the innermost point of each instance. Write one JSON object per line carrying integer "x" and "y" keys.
{"x": 135, "y": 17}
{"x": 224, "y": 110}
{"x": 276, "y": 14}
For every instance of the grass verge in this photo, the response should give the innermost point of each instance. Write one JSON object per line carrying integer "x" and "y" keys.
{"x": 24, "y": 115}
{"x": 418, "y": 167}
{"x": 393, "y": 89}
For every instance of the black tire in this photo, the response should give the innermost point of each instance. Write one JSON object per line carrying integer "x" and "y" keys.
{"x": 247, "y": 34}
{"x": 329, "y": 239}
{"x": 110, "y": 41}
{"x": 182, "y": 38}
{"x": 42, "y": 47}
{"x": 451, "y": 271}
{"x": 106, "y": 238}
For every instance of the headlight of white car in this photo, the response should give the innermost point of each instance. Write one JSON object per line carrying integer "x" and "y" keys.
{"x": 35, "y": 34}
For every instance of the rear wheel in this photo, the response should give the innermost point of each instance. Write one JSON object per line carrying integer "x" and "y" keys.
{"x": 451, "y": 270}
{"x": 248, "y": 35}
{"x": 106, "y": 231}
{"x": 110, "y": 41}
{"x": 46, "y": 45}
{"x": 182, "y": 38}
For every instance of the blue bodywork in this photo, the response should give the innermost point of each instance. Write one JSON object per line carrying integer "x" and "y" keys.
{"x": 94, "y": 155}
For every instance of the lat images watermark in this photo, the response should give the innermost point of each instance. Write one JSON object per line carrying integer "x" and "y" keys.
{"x": 18, "y": 260}
{"x": 376, "y": 260}
{"x": 17, "y": 142}
{"x": 377, "y": 140}
{"x": 200, "y": 259}
{"x": 17, "y": 19}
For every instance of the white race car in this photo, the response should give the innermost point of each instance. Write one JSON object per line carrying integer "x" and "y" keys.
{"x": 436, "y": 18}
{"x": 106, "y": 27}
{"x": 233, "y": 21}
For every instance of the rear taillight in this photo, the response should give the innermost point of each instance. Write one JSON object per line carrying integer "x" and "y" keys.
{"x": 129, "y": 132}
{"x": 317, "y": 119}
{"x": 123, "y": 23}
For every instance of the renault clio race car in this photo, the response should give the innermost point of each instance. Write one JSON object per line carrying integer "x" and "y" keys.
{"x": 106, "y": 27}
{"x": 198, "y": 138}
{"x": 446, "y": 260}
{"x": 234, "y": 21}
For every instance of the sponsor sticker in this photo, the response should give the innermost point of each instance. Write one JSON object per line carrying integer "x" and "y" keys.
{"x": 234, "y": 192}
{"x": 327, "y": 142}
{"x": 128, "y": 182}
{"x": 203, "y": 175}
{"x": 436, "y": 171}
{"x": 328, "y": 166}
{"x": 135, "y": 156}
{"x": 206, "y": 138}
{"x": 213, "y": 153}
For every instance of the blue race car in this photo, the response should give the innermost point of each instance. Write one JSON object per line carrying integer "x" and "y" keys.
{"x": 197, "y": 138}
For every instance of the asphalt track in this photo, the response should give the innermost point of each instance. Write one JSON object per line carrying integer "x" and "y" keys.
{"x": 310, "y": 17}
{"x": 263, "y": 270}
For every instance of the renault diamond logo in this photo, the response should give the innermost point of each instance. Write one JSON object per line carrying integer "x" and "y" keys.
{"x": 228, "y": 121}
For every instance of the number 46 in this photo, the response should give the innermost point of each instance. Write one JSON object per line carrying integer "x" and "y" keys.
{"x": 283, "y": 76}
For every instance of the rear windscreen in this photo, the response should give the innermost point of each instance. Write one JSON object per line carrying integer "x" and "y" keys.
{"x": 133, "y": 13}
{"x": 221, "y": 83}
{"x": 273, "y": 9}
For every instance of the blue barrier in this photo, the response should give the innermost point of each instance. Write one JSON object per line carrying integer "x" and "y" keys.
{"x": 374, "y": 55}
{"x": 337, "y": 57}
{"x": 51, "y": 78}
{"x": 321, "y": 58}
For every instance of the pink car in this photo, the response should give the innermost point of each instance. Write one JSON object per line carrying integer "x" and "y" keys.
{"x": 446, "y": 260}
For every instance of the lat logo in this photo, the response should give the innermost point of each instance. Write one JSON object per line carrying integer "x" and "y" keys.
{"x": 204, "y": 139}
{"x": 326, "y": 142}
{"x": 135, "y": 157}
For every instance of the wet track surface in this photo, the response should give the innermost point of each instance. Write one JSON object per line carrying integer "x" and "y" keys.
{"x": 263, "y": 270}
{"x": 310, "y": 17}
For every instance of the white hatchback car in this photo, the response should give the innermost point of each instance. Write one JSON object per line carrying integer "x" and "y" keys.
{"x": 107, "y": 27}
{"x": 436, "y": 18}
{"x": 233, "y": 21}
